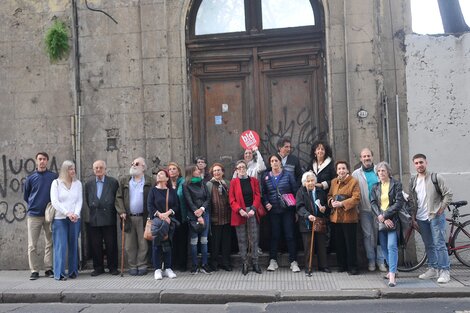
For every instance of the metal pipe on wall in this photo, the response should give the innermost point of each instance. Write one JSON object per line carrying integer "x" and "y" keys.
{"x": 400, "y": 166}
{"x": 77, "y": 90}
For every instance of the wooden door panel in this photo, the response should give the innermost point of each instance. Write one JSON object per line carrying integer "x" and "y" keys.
{"x": 290, "y": 112}
{"x": 223, "y": 122}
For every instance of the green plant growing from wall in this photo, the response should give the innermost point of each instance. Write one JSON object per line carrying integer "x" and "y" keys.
{"x": 57, "y": 41}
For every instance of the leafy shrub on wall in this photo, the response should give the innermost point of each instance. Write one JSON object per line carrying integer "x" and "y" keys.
{"x": 57, "y": 41}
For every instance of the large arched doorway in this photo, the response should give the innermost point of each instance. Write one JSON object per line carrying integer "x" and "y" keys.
{"x": 256, "y": 64}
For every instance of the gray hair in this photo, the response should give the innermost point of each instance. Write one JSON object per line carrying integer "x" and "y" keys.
{"x": 385, "y": 166}
{"x": 240, "y": 162}
{"x": 308, "y": 174}
{"x": 63, "y": 173}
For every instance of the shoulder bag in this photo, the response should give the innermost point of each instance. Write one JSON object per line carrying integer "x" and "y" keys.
{"x": 148, "y": 225}
{"x": 49, "y": 213}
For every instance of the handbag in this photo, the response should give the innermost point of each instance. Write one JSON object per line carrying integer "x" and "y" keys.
{"x": 289, "y": 199}
{"x": 148, "y": 230}
{"x": 148, "y": 225}
{"x": 49, "y": 214}
{"x": 383, "y": 227}
{"x": 319, "y": 225}
{"x": 197, "y": 227}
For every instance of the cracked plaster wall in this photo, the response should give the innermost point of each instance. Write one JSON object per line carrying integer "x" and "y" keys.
{"x": 437, "y": 76}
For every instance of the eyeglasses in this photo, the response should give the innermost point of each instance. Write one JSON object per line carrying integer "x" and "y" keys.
{"x": 136, "y": 164}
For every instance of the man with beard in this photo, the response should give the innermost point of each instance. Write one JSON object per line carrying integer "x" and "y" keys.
{"x": 100, "y": 198}
{"x": 367, "y": 177}
{"x": 429, "y": 197}
{"x": 131, "y": 204}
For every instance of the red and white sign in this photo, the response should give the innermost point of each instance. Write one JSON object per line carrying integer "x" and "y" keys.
{"x": 249, "y": 139}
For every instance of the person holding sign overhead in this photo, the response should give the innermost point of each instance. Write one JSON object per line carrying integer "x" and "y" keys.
{"x": 249, "y": 141}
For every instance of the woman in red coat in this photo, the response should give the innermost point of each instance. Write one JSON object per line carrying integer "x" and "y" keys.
{"x": 245, "y": 201}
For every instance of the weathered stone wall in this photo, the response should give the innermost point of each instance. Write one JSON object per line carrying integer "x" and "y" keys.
{"x": 437, "y": 75}
{"x": 36, "y": 109}
{"x": 366, "y": 56}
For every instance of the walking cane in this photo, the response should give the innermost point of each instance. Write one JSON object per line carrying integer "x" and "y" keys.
{"x": 123, "y": 238}
{"x": 311, "y": 251}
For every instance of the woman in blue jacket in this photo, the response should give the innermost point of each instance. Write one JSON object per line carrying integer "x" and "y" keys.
{"x": 275, "y": 184}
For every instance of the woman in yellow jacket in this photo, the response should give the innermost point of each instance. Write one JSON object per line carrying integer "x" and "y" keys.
{"x": 343, "y": 198}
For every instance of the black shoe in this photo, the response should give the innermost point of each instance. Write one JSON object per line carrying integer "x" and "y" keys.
{"x": 308, "y": 272}
{"x": 205, "y": 269}
{"x": 73, "y": 275}
{"x": 194, "y": 270}
{"x": 256, "y": 268}
{"x": 49, "y": 273}
{"x": 214, "y": 268}
{"x": 245, "y": 269}
{"x": 114, "y": 272}
{"x": 96, "y": 273}
{"x": 142, "y": 272}
{"x": 34, "y": 276}
{"x": 353, "y": 272}
{"x": 325, "y": 270}
{"x": 227, "y": 268}
{"x": 63, "y": 278}
{"x": 342, "y": 270}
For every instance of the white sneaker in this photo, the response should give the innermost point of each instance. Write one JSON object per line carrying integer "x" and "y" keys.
{"x": 383, "y": 267}
{"x": 294, "y": 267}
{"x": 444, "y": 277}
{"x": 158, "y": 274}
{"x": 272, "y": 265}
{"x": 371, "y": 267}
{"x": 429, "y": 274}
{"x": 169, "y": 273}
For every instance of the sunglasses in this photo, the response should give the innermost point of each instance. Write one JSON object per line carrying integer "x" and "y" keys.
{"x": 136, "y": 164}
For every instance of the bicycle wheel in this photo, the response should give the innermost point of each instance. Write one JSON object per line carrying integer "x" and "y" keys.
{"x": 412, "y": 254}
{"x": 461, "y": 243}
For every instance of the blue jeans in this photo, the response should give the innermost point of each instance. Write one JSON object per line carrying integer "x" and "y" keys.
{"x": 65, "y": 237}
{"x": 389, "y": 244}
{"x": 433, "y": 233}
{"x": 283, "y": 222}
{"x": 370, "y": 231}
{"x": 202, "y": 238}
{"x": 159, "y": 255}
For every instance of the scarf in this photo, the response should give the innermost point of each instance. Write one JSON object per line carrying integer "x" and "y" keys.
{"x": 196, "y": 179}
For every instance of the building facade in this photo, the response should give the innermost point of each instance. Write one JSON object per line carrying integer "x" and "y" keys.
{"x": 172, "y": 79}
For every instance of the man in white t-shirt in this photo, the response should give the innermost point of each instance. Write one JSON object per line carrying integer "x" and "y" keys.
{"x": 430, "y": 197}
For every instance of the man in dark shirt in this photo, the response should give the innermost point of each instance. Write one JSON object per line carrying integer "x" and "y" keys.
{"x": 290, "y": 163}
{"x": 37, "y": 194}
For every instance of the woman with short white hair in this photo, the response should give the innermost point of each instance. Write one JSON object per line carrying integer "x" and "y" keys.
{"x": 66, "y": 198}
{"x": 312, "y": 209}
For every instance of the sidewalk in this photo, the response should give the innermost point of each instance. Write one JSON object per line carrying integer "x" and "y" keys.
{"x": 223, "y": 287}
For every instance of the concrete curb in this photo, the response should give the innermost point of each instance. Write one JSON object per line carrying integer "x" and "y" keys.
{"x": 197, "y": 296}
{"x": 457, "y": 292}
{"x": 111, "y": 296}
{"x": 31, "y": 296}
{"x": 217, "y": 297}
{"x": 325, "y": 295}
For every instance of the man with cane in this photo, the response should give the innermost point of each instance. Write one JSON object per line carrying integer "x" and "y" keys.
{"x": 313, "y": 216}
{"x": 131, "y": 204}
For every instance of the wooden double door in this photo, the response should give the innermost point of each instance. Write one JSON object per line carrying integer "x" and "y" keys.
{"x": 276, "y": 91}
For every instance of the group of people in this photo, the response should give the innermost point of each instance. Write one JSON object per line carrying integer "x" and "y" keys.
{"x": 198, "y": 210}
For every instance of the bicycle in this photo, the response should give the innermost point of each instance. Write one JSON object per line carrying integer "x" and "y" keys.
{"x": 411, "y": 251}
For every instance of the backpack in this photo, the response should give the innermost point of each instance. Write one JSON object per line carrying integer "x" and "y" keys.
{"x": 434, "y": 181}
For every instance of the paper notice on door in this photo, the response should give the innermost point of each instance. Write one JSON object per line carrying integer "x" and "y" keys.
{"x": 218, "y": 119}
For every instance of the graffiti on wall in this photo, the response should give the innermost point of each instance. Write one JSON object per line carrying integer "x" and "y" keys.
{"x": 302, "y": 131}
{"x": 14, "y": 173}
